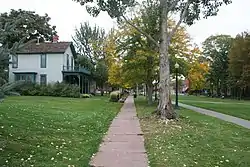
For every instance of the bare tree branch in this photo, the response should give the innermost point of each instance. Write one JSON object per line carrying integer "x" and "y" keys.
{"x": 141, "y": 31}
{"x": 173, "y": 5}
{"x": 182, "y": 15}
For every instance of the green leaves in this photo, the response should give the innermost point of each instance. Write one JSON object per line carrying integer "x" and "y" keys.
{"x": 216, "y": 49}
{"x": 7, "y": 87}
{"x": 90, "y": 44}
{"x": 239, "y": 59}
{"x": 28, "y": 25}
{"x": 89, "y": 41}
{"x": 201, "y": 9}
{"x": 115, "y": 8}
{"x": 101, "y": 73}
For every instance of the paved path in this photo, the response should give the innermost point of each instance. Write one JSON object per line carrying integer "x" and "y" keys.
{"x": 123, "y": 146}
{"x": 238, "y": 121}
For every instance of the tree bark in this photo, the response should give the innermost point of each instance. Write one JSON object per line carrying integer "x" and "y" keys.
{"x": 165, "y": 105}
{"x": 137, "y": 89}
{"x": 146, "y": 92}
{"x": 150, "y": 93}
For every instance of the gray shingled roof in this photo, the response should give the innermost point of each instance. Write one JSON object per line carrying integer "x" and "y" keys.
{"x": 59, "y": 47}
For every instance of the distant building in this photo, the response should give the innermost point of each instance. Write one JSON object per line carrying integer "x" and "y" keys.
{"x": 185, "y": 86}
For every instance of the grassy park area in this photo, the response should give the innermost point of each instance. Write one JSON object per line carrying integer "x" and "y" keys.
{"x": 48, "y": 131}
{"x": 195, "y": 140}
{"x": 235, "y": 108}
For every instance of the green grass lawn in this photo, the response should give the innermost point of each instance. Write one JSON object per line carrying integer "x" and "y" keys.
{"x": 52, "y": 132}
{"x": 194, "y": 140}
{"x": 235, "y": 108}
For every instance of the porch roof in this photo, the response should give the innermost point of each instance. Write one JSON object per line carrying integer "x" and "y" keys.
{"x": 23, "y": 72}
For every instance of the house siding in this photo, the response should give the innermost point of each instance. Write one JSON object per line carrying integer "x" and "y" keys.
{"x": 69, "y": 52}
{"x": 32, "y": 62}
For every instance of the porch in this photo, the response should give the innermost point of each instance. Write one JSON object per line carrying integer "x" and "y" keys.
{"x": 78, "y": 76}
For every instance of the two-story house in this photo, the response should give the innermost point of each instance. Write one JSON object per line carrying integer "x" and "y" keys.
{"x": 49, "y": 62}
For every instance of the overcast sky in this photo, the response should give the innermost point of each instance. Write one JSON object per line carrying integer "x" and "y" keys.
{"x": 66, "y": 15}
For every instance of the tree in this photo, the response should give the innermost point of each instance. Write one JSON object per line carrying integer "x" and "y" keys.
{"x": 90, "y": 43}
{"x": 190, "y": 10}
{"x": 196, "y": 75}
{"x": 7, "y": 87}
{"x": 5, "y": 50}
{"x": 28, "y": 25}
{"x": 139, "y": 54}
{"x": 101, "y": 75}
{"x": 86, "y": 62}
{"x": 216, "y": 49}
{"x": 113, "y": 60}
{"x": 239, "y": 67}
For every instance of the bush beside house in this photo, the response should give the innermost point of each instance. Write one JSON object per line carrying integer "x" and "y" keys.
{"x": 57, "y": 90}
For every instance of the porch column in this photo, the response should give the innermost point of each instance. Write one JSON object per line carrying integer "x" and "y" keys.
{"x": 79, "y": 77}
{"x": 82, "y": 84}
{"x": 89, "y": 85}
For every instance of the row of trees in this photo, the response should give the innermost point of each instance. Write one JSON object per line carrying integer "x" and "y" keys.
{"x": 188, "y": 10}
{"x": 149, "y": 34}
{"x": 229, "y": 64}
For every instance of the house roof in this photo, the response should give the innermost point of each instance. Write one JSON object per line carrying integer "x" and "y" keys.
{"x": 34, "y": 48}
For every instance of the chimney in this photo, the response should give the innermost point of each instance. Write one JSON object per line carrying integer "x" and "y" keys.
{"x": 55, "y": 38}
{"x": 38, "y": 42}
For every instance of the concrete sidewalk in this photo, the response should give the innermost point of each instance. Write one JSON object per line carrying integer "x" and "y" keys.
{"x": 123, "y": 146}
{"x": 232, "y": 119}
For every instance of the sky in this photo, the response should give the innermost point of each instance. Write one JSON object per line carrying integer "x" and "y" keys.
{"x": 66, "y": 15}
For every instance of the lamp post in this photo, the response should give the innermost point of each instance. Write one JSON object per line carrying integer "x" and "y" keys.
{"x": 176, "y": 84}
{"x": 155, "y": 89}
{"x": 212, "y": 91}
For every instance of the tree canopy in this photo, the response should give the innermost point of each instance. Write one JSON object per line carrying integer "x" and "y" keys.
{"x": 90, "y": 45}
{"x": 189, "y": 11}
{"x": 216, "y": 49}
{"x": 28, "y": 25}
{"x": 5, "y": 50}
{"x": 89, "y": 41}
{"x": 239, "y": 63}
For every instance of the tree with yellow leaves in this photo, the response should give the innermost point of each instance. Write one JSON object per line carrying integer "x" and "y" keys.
{"x": 198, "y": 69}
{"x": 134, "y": 58}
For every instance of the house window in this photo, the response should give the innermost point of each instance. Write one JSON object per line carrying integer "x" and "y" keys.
{"x": 43, "y": 79}
{"x": 14, "y": 61}
{"x": 67, "y": 61}
{"x": 26, "y": 77}
{"x": 43, "y": 60}
{"x": 72, "y": 63}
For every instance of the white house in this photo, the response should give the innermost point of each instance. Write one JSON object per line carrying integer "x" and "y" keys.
{"x": 51, "y": 62}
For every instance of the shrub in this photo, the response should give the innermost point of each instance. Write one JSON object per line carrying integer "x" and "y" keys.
{"x": 115, "y": 96}
{"x": 7, "y": 88}
{"x": 57, "y": 90}
{"x": 1, "y": 95}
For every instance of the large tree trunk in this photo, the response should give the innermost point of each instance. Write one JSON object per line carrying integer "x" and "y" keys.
{"x": 150, "y": 93}
{"x": 146, "y": 92}
{"x": 137, "y": 89}
{"x": 165, "y": 105}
